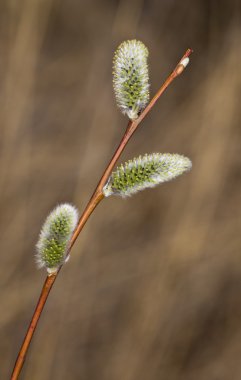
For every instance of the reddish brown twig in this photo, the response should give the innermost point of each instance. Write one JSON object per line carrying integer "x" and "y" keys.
{"x": 93, "y": 202}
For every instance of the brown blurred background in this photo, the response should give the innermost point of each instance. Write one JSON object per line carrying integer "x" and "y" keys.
{"x": 153, "y": 288}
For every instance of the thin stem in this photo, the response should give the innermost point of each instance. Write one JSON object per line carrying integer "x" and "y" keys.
{"x": 93, "y": 202}
{"x": 176, "y": 72}
{"x": 36, "y": 315}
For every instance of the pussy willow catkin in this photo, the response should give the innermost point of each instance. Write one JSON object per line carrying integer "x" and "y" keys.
{"x": 55, "y": 236}
{"x": 145, "y": 171}
{"x": 131, "y": 79}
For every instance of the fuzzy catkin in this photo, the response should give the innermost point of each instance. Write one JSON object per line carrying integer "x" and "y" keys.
{"x": 131, "y": 79}
{"x": 144, "y": 172}
{"x": 55, "y": 236}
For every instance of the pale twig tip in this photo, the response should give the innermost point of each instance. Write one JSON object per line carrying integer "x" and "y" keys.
{"x": 185, "y": 61}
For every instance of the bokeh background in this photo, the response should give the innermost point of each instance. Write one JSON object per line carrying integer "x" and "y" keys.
{"x": 152, "y": 290}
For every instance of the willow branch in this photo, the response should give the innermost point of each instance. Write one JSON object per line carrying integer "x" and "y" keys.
{"x": 93, "y": 202}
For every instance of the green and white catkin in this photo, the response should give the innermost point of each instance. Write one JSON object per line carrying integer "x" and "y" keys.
{"x": 144, "y": 172}
{"x": 55, "y": 236}
{"x": 131, "y": 79}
